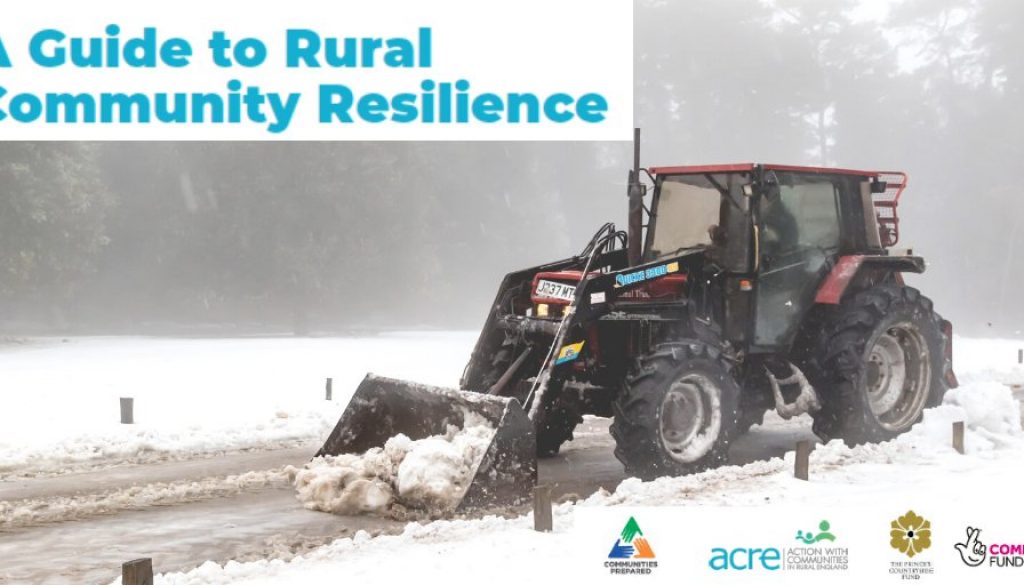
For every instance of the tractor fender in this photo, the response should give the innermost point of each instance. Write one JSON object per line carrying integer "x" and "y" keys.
{"x": 851, "y": 268}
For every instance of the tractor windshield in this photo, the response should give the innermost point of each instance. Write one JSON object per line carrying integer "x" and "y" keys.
{"x": 688, "y": 213}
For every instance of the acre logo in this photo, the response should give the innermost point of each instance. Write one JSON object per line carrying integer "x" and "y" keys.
{"x": 745, "y": 559}
{"x": 632, "y": 553}
{"x": 816, "y": 551}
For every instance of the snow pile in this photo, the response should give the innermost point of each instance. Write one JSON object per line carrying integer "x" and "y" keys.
{"x": 979, "y": 360}
{"x": 351, "y": 484}
{"x": 992, "y": 431}
{"x": 193, "y": 397}
{"x": 28, "y": 512}
{"x": 430, "y": 474}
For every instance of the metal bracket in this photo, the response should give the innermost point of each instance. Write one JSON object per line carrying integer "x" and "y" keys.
{"x": 807, "y": 401}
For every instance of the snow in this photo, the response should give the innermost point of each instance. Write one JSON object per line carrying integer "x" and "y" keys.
{"x": 33, "y": 511}
{"x": 201, "y": 397}
{"x": 430, "y": 474}
{"x": 920, "y": 461}
{"x": 193, "y": 397}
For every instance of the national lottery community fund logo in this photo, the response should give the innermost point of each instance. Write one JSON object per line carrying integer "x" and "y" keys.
{"x": 632, "y": 553}
{"x": 974, "y": 552}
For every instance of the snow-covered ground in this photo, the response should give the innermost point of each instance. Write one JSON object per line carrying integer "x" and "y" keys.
{"x": 198, "y": 397}
{"x": 192, "y": 397}
{"x": 921, "y": 462}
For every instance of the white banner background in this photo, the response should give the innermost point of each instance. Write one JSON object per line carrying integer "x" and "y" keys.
{"x": 682, "y": 539}
{"x": 539, "y": 46}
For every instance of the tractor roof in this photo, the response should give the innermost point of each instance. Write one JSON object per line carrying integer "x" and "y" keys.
{"x": 747, "y": 167}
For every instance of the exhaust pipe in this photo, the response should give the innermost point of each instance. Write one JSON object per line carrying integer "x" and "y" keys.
{"x": 636, "y": 205}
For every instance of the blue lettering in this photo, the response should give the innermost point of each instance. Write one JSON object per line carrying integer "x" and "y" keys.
{"x": 551, "y": 107}
{"x": 426, "y": 47}
{"x": 38, "y": 43}
{"x": 486, "y": 108}
{"x": 719, "y": 559}
{"x": 302, "y": 46}
{"x": 373, "y": 107}
{"x": 5, "y": 61}
{"x": 335, "y": 102}
{"x": 404, "y": 106}
{"x": 745, "y": 559}
{"x": 591, "y": 107}
{"x": 26, "y": 107}
{"x": 175, "y": 52}
{"x": 732, "y": 559}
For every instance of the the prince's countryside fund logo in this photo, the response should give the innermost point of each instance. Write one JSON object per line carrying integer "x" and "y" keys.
{"x": 911, "y": 535}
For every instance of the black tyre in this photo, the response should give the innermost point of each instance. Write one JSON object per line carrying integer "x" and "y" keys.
{"x": 881, "y": 362}
{"x": 558, "y": 419}
{"x": 678, "y": 412}
{"x": 555, "y": 423}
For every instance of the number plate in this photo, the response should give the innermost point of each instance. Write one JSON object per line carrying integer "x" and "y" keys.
{"x": 555, "y": 290}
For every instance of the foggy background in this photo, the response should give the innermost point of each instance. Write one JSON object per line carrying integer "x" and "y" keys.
{"x": 335, "y": 237}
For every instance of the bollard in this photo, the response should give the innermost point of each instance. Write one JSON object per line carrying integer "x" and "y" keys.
{"x": 137, "y": 572}
{"x": 327, "y": 389}
{"x": 127, "y": 417}
{"x": 1020, "y": 356}
{"x": 958, "y": 436}
{"x": 542, "y": 519}
{"x": 801, "y": 469}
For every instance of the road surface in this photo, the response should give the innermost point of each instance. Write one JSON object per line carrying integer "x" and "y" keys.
{"x": 256, "y": 522}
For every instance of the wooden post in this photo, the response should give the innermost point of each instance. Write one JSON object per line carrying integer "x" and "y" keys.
{"x": 137, "y": 572}
{"x": 958, "y": 436}
{"x": 542, "y": 519}
{"x": 327, "y": 390}
{"x": 802, "y": 467}
{"x": 127, "y": 417}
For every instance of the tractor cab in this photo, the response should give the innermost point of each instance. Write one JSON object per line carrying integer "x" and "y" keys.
{"x": 767, "y": 236}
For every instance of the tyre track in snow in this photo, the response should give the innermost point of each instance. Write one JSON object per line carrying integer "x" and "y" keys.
{"x": 265, "y": 521}
{"x": 270, "y": 522}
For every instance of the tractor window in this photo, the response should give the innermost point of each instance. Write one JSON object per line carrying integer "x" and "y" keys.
{"x": 688, "y": 206}
{"x": 804, "y": 216}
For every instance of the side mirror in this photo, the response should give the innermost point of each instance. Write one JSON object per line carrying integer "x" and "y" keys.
{"x": 879, "y": 186}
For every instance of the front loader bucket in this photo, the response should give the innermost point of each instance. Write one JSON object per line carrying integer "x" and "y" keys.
{"x": 384, "y": 407}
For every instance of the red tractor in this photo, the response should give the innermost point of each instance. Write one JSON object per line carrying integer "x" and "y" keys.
{"x": 738, "y": 288}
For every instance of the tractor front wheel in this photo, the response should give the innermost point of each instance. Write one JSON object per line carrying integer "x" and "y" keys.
{"x": 678, "y": 411}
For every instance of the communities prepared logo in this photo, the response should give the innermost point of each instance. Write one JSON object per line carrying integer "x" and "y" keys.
{"x": 816, "y": 551}
{"x": 632, "y": 553}
{"x": 911, "y": 535}
{"x": 974, "y": 552}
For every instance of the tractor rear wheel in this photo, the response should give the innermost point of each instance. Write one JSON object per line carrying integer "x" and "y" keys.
{"x": 678, "y": 412}
{"x": 881, "y": 362}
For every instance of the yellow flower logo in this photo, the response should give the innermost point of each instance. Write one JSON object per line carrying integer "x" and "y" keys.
{"x": 911, "y": 534}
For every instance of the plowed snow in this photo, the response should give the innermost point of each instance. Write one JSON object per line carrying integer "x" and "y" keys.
{"x": 429, "y": 475}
